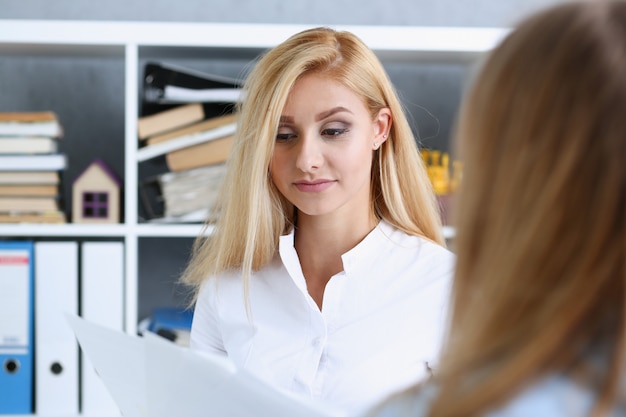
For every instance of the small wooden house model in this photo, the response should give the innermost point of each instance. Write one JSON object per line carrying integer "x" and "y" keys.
{"x": 96, "y": 195}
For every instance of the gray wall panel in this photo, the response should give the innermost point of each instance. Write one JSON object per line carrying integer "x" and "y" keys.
{"x": 87, "y": 93}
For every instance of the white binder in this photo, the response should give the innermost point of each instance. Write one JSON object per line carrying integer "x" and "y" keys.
{"x": 102, "y": 302}
{"x": 56, "y": 353}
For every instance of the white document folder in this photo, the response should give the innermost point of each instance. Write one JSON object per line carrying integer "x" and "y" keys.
{"x": 56, "y": 356}
{"x": 102, "y": 302}
{"x": 151, "y": 376}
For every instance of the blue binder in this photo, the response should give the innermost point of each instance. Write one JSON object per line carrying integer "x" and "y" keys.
{"x": 16, "y": 327}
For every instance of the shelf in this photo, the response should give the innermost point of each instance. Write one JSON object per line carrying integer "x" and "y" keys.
{"x": 120, "y": 230}
{"x": 193, "y": 230}
{"x": 171, "y": 230}
{"x": 391, "y": 41}
{"x": 63, "y": 230}
{"x": 110, "y": 230}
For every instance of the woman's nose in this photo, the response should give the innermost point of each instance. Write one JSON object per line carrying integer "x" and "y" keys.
{"x": 309, "y": 154}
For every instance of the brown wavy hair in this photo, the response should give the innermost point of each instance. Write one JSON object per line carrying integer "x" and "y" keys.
{"x": 541, "y": 236}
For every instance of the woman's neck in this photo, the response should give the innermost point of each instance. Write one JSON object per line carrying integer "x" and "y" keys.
{"x": 321, "y": 241}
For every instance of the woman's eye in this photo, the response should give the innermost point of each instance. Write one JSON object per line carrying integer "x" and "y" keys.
{"x": 284, "y": 137}
{"x": 334, "y": 131}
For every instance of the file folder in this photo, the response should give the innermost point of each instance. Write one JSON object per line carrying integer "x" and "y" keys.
{"x": 166, "y": 86}
{"x": 102, "y": 302}
{"x": 166, "y": 83}
{"x": 56, "y": 353}
{"x": 16, "y": 327}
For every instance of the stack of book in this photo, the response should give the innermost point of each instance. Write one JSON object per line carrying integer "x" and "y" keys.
{"x": 195, "y": 154}
{"x": 186, "y": 138}
{"x": 30, "y": 168}
{"x": 193, "y": 137}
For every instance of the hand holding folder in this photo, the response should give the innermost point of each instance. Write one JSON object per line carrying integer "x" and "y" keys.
{"x": 150, "y": 376}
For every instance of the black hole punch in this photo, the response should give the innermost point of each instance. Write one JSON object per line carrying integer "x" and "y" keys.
{"x": 11, "y": 365}
{"x": 56, "y": 368}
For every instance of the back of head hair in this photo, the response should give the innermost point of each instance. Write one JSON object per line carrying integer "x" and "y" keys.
{"x": 252, "y": 213}
{"x": 541, "y": 236}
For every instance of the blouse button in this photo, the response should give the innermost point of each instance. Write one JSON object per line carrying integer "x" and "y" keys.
{"x": 317, "y": 342}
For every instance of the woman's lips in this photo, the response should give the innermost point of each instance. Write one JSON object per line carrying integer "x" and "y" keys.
{"x": 314, "y": 186}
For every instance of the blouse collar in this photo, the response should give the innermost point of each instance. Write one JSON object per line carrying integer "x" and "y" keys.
{"x": 358, "y": 258}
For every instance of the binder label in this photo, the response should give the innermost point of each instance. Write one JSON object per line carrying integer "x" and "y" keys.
{"x": 14, "y": 310}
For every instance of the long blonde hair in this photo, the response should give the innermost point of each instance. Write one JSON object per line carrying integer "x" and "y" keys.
{"x": 252, "y": 213}
{"x": 541, "y": 236}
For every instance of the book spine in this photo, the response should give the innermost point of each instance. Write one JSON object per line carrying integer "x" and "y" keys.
{"x": 152, "y": 151}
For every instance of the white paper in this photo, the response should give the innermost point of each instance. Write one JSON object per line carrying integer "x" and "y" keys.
{"x": 150, "y": 376}
{"x": 176, "y": 94}
{"x": 119, "y": 361}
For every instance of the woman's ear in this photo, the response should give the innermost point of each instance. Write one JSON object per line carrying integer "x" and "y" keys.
{"x": 382, "y": 126}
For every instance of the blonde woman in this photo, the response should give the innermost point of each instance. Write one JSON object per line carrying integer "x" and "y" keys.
{"x": 326, "y": 274}
{"x": 538, "y": 310}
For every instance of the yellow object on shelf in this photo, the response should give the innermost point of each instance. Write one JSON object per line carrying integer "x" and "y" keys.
{"x": 438, "y": 169}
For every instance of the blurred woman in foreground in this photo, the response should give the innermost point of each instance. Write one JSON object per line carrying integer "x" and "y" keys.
{"x": 538, "y": 316}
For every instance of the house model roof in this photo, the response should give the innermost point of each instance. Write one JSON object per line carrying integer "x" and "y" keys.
{"x": 105, "y": 168}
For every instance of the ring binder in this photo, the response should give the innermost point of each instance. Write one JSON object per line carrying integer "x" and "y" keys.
{"x": 16, "y": 327}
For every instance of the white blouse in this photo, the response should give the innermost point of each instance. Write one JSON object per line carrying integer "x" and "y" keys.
{"x": 381, "y": 323}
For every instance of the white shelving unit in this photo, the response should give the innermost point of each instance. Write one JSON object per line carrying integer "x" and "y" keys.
{"x": 127, "y": 41}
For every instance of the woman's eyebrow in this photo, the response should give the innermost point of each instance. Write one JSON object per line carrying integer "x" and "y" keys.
{"x": 325, "y": 114}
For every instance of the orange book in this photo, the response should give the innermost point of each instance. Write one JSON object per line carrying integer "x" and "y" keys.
{"x": 169, "y": 120}
{"x": 28, "y": 117}
{"x": 41, "y": 123}
{"x": 207, "y": 153}
{"x": 28, "y": 204}
{"x": 45, "y": 217}
{"x": 29, "y": 177}
{"x": 202, "y": 126}
{"x": 28, "y": 190}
